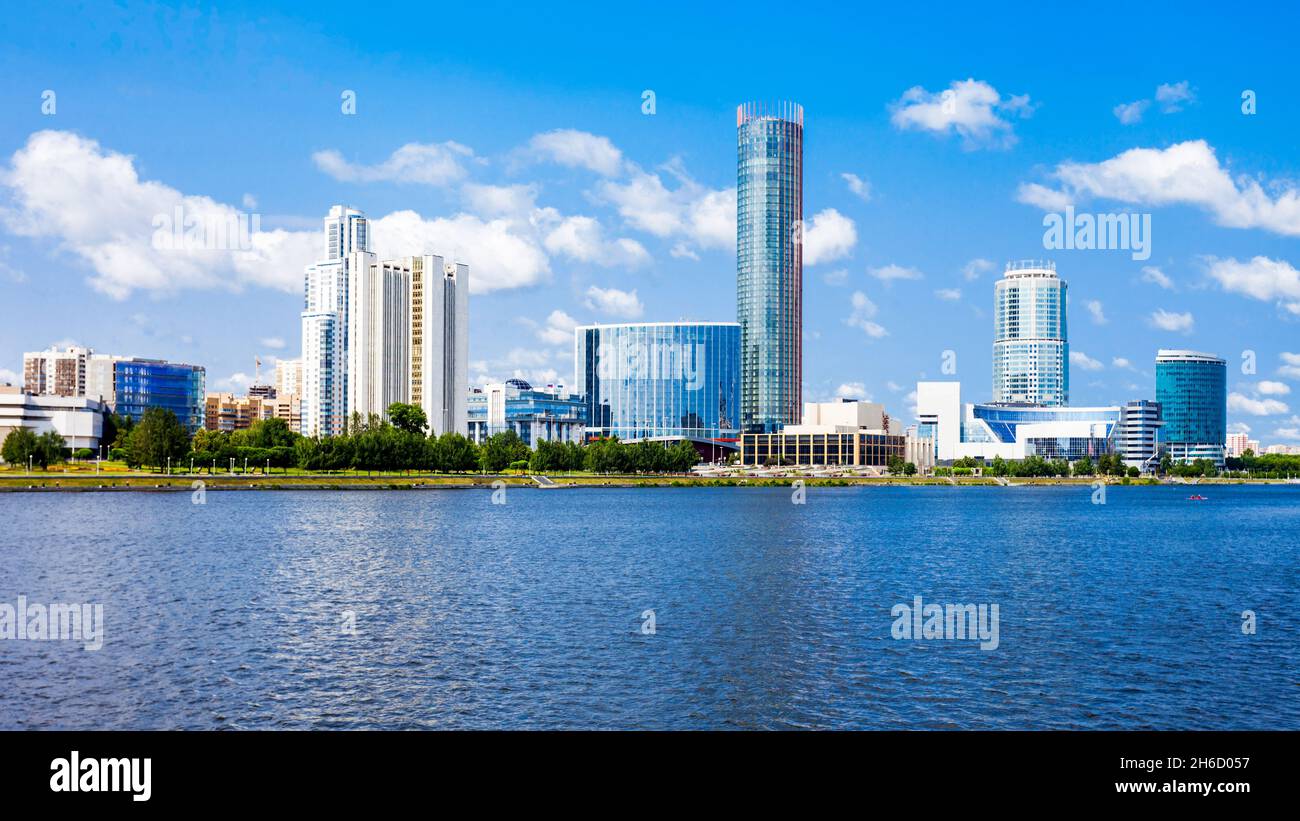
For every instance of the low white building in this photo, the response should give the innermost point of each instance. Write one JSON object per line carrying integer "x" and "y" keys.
{"x": 80, "y": 421}
{"x": 987, "y": 431}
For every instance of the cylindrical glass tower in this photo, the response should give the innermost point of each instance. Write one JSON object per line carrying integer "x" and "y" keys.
{"x": 1192, "y": 389}
{"x": 1031, "y": 349}
{"x": 769, "y": 263}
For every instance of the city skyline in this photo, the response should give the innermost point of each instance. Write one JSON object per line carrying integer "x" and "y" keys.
{"x": 597, "y": 212}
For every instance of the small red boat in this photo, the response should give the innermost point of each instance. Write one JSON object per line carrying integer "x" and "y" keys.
{"x": 1196, "y": 497}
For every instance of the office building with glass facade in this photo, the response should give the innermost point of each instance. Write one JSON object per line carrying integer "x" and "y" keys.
{"x": 1192, "y": 389}
{"x": 535, "y": 414}
{"x": 662, "y": 381}
{"x": 130, "y": 387}
{"x": 769, "y": 263}
{"x": 1031, "y": 351}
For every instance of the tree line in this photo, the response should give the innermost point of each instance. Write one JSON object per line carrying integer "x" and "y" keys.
{"x": 374, "y": 444}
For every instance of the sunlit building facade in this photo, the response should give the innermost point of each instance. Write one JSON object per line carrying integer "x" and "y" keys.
{"x": 1031, "y": 351}
{"x": 769, "y": 263}
{"x": 661, "y": 380}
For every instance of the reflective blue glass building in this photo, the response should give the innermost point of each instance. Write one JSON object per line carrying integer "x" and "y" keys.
{"x": 660, "y": 380}
{"x": 769, "y": 263}
{"x": 1192, "y": 389}
{"x": 140, "y": 384}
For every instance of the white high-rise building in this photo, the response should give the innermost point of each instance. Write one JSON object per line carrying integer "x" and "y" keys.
{"x": 438, "y": 344}
{"x": 1031, "y": 350}
{"x": 379, "y": 335}
{"x": 325, "y": 323}
{"x": 288, "y": 377}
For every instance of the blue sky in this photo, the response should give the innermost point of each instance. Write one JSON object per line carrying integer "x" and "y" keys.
{"x": 514, "y": 139}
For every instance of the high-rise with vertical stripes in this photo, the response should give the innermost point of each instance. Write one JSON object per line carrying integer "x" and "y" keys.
{"x": 769, "y": 263}
{"x": 326, "y": 286}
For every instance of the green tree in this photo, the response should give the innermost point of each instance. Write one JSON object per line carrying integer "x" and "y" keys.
{"x": 1166, "y": 463}
{"x": 895, "y": 465}
{"x": 408, "y": 418}
{"x": 52, "y": 447}
{"x": 998, "y": 467}
{"x": 500, "y": 450}
{"x": 454, "y": 453}
{"x": 20, "y": 444}
{"x": 1083, "y": 467}
{"x": 682, "y": 456}
{"x": 158, "y": 437}
{"x": 909, "y": 469}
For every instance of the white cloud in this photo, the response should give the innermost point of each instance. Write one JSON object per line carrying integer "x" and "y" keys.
{"x": 970, "y": 108}
{"x": 424, "y": 163}
{"x": 853, "y": 390}
{"x": 1271, "y": 388}
{"x": 1082, "y": 360}
{"x": 950, "y": 294}
{"x": 837, "y": 277}
{"x": 704, "y": 217}
{"x": 1121, "y": 362}
{"x": 1097, "y": 312}
{"x": 624, "y": 304}
{"x": 1152, "y": 274}
{"x": 272, "y": 342}
{"x": 1240, "y": 403}
{"x": 1129, "y": 113}
{"x": 499, "y": 200}
{"x": 828, "y": 236}
{"x": 501, "y": 253}
{"x": 1262, "y": 278}
{"x": 236, "y": 382}
{"x": 1238, "y": 427}
{"x": 1187, "y": 173}
{"x": 975, "y": 267}
{"x": 8, "y": 377}
{"x": 93, "y": 203}
{"x": 582, "y": 238}
{"x": 862, "y": 316}
{"x": 860, "y": 187}
{"x": 892, "y": 272}
{"x": 577, "y": 149}
{"x": 1040, "y": 196}
{"x": 557, "y": 331}
{"x": 1169, "y": 321}
{"x": 1290, "y": 365}
{"x": 1172, "y": 96}
{"x": 893, "y": 386}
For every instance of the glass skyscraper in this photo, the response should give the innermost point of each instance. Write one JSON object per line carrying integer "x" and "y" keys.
{"x": 660, "y": 380}
{"x": 1031, "y": 349}
{"x": 769, "y": 263}
{"x": 1192, "y": 389}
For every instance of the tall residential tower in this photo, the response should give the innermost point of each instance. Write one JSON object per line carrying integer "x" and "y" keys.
{"x": 325, "y": 323}
{"x": 769, "y": 263}
{"x": 1031, "y": 349}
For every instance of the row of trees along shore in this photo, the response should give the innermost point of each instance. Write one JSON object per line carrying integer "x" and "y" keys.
{"x": 400, "y": 444}
{"x": 396, "y": 444}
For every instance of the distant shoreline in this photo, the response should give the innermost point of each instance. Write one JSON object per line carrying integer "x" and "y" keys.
{"x": 56, "y": 483}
